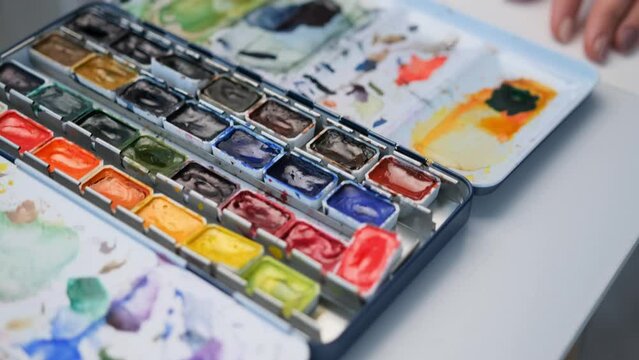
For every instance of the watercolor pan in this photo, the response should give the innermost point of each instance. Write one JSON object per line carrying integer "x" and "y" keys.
{"x": 62, "y": 155}
{"x": 372, "y": 253}
{"x": 344, "y": 151}
{"x": 22, "y": 131}
{"x": 302, "y": 179}
{"x": 221, "y": 246}
{"x": 173, "y": 219}
{"x": 60, "y": 101}
{"x": 104, "y": 75}
{"x": 107, "y": 128}
{"x": 181, "y": 72}
{"x": 315, "y": 243}
{"x": 206, "y": 182}
{"x": 259, "y": 211}
{"x": 118, "y": 187}
{"x": 111, "y": 287}
{"x": 294, "y": 290}
{"x": 196, "y": 124}
{"x": 354, "y": 205}
{"x": 96, "y": 28}
{"x": 58, "y": 53}
{"x": 278, "y": 118}
{"x": 138, "y": 49}
{"x": 150, "y": 100}
{"x": 154, "y": 155}
{"x": 231, "y": 95}
{"x": 400, "y": 178}
{"x": 246, "y": 151}
{"x": 18, "y": 78}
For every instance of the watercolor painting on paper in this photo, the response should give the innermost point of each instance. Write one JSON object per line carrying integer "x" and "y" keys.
{"x": 74, "y": 287}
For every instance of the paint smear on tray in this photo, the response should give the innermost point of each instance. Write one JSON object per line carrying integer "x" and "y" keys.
{"x": 32, "y": 252}
{"x": 476, "y": 133}
{"x": 418, "y": 69}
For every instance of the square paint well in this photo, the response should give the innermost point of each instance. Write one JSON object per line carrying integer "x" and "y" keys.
{"x": 23, "y": 131}
{"x": 154, "y": 155}
{"x": 171, "y": 218}
{"x": 60, "y": 101}
{"x": 222, "y": 246}
{"x": 118, "y": 187}
{"x": 246, "y": 150}
{"x": 181, "y": 73}
{"x": 67, "y": 157}
{"x": 369, "y": 258}
{"x": 206, "y": 182}
{"x": 104, "y": 74}
{"x": 405, "y": 180}
{"x": 294, "y": 290}
{"x": 60, "y": 50}
{"x": 18, "y": 78}
{"x": 261, "y": 212}
{"x": 286, "y": 123}
{"x": 197, "y": 124}
{"x": 150, "y": 100}
{"x": 300, "y": 178}
{"x": 344, "y": 151}
{"x": 317, "y": 244}
{"x": 138, "y": 49}
{"x": 96, "y": 27}
{"x": 107, "y": 128}
{"x": 354, "y": 205}
{"x": 230, "y": 94}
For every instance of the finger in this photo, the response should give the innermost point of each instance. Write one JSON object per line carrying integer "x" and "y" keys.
{"x": 602, "y": 23}
{"x": 628, "y": 32}
{"x": 563, "y": 18}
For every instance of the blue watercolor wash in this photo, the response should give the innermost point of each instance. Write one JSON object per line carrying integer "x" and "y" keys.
{"x": 361, "y": 204}
{"x": 301, "y": 176}
{"x": 58, "y": 348}
{"x": 252, "y": 150}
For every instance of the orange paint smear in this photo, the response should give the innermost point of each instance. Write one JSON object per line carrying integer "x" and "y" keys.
{"x": 501, "y": 125}
{"x": 418, "y": 69}
{"x": 67, "y": 157}
{"x": 505, "y": 126}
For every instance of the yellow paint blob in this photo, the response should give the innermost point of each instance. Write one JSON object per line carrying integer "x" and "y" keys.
{"x": 473, "y": 135}
{"x": 170, "y": 217}
{"x": 223, "y": 246}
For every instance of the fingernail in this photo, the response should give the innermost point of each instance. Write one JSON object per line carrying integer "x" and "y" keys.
{"x": 601, "y": 47}
{"x": 566, "y": 29}
{"x": 628, "y": 38}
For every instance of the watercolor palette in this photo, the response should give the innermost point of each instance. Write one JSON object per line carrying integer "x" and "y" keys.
{"x": 217, "y": 168}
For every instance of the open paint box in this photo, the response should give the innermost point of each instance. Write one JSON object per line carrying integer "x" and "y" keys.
{"x": 305, "y": 211}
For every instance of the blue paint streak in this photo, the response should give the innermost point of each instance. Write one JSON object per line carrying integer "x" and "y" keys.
{"x": 60, "y": 349}
{"x": 379, "y": 122}
{"x": 366, "y": 66}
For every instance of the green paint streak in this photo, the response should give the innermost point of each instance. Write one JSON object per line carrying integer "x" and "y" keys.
{"x": 104, "y": 355}
{"x": 512, "y": 100}
{"x": 32, "y": 255}
{"x": 88, "y": 296}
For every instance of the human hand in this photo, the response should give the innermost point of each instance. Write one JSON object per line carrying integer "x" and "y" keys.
{"x": 609, "y": 24}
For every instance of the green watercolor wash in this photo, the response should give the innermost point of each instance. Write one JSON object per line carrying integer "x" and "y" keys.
{"x": 154, "y": 155}
{"x": 88, "y": 296}
{"x": 32, "y": 255}
{"x": 201, "y": 15}
{"x": 103, "y": 354}
{"x": 294, "y": 290}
